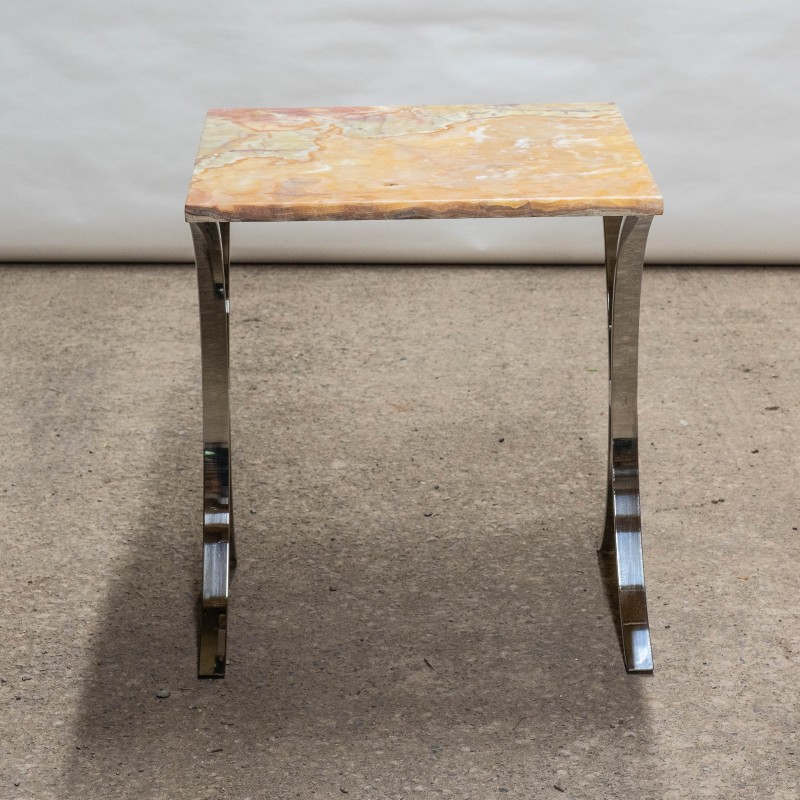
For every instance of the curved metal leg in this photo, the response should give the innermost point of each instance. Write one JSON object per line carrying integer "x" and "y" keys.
{"x": 625, "y": 246}
{"x": 211, "y": 255}
{"x": 611, "y": 229}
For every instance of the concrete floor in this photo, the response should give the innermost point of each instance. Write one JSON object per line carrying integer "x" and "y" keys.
{"x": 419, "y": 471}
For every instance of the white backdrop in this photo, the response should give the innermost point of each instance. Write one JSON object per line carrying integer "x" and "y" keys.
{"x": 102, "y": 105}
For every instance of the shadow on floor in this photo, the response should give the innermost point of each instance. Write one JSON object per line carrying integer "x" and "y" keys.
{"x": 418, "y": 607}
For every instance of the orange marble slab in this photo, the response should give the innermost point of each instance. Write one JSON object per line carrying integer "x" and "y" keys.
{"x": 418, "y": 162}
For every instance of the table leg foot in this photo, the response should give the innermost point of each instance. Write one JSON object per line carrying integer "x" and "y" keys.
{"x": 622, "y": 537}
{"x": 219, "y": 555}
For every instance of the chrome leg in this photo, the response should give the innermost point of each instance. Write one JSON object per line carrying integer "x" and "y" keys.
{"x": 225, "y": 235}
{"x": 211, "y": 255}
{"x": 625, "y": 245}
{"x": 611, "y": 229}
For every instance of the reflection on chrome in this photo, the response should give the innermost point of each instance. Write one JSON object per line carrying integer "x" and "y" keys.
{"x": 216, "y": 518}
{"x": 625, "y": 241}
{"x": 215, "y": 573}
{"x": 211, "y": 246}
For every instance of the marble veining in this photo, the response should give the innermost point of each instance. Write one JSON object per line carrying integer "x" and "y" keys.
{"x": 418, "y": 162}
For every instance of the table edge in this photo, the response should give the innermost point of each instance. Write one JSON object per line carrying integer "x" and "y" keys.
{"x": 321, "y": 212}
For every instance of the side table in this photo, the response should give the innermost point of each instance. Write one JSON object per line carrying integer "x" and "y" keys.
{"x": 262, "y": 165}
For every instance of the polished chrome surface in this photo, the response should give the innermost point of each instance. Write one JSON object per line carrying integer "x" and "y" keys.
{"x": 211, "y": 246}
{"x": 625, "y": 242}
